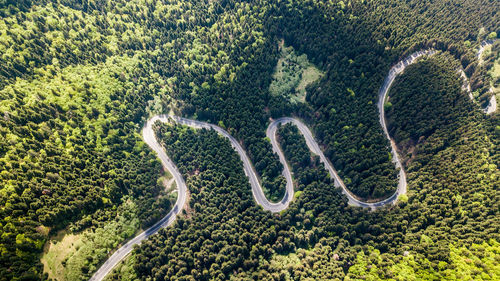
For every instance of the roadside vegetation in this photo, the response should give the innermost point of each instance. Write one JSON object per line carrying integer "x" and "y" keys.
{"x": 219, "y": 236}
{"x": 76, "y": 253}
{"x": 485, "y": 76}
{"x": 78, "y": 79}
{"x": 491, "y": 62}
{"x": 124, "y": 271}
{"x": 75, "y": 256}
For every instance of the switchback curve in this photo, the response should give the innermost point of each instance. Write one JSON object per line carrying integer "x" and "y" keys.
{"x": 258, "y": 194}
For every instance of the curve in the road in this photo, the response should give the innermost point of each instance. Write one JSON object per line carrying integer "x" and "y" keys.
{"x": 258, "y": 194}
{"x": 123, "y": 251}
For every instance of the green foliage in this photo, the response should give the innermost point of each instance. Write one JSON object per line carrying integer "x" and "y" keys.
{"x": 477, "y": 262}
{"x": 292, "y": 74}
{"x": 387, "y": 106}
{"x": 487, "y": 74}
{"x": 217, "y": 235}
{"x": 124, "y": 271}
{"x": 484, "y": 76}
{"x": 356, "y": 46}
{"x": 79, "y": 78}
{"x": 433, "y": 109}
{"x": 91, "y": 246}
{"x": 76, "y": 85}
{"x": 65, "y": 129}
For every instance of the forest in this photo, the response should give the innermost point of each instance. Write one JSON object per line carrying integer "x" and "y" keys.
{"x": 78, "y": 80}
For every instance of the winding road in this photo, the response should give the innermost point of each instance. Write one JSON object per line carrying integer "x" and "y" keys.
{"x": 123, "y": 251}
{"x": 258, "y": 194}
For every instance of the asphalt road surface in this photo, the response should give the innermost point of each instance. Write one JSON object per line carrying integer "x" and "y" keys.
{"x": 258, "y": 194}
{"x": 123, "y": 251}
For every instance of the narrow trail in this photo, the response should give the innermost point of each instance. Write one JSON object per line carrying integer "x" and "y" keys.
{"x": 258, "y": 194}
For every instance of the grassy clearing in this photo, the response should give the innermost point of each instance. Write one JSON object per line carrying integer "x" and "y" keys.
{"x": 292, "y": 75}
{"x": 309, "y": 75}
{"x": 75, "y": 256}
{"x": 57, "y": 251}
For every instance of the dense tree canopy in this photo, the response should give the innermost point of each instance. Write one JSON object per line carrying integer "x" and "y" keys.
{"x": 79, "y": 78}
